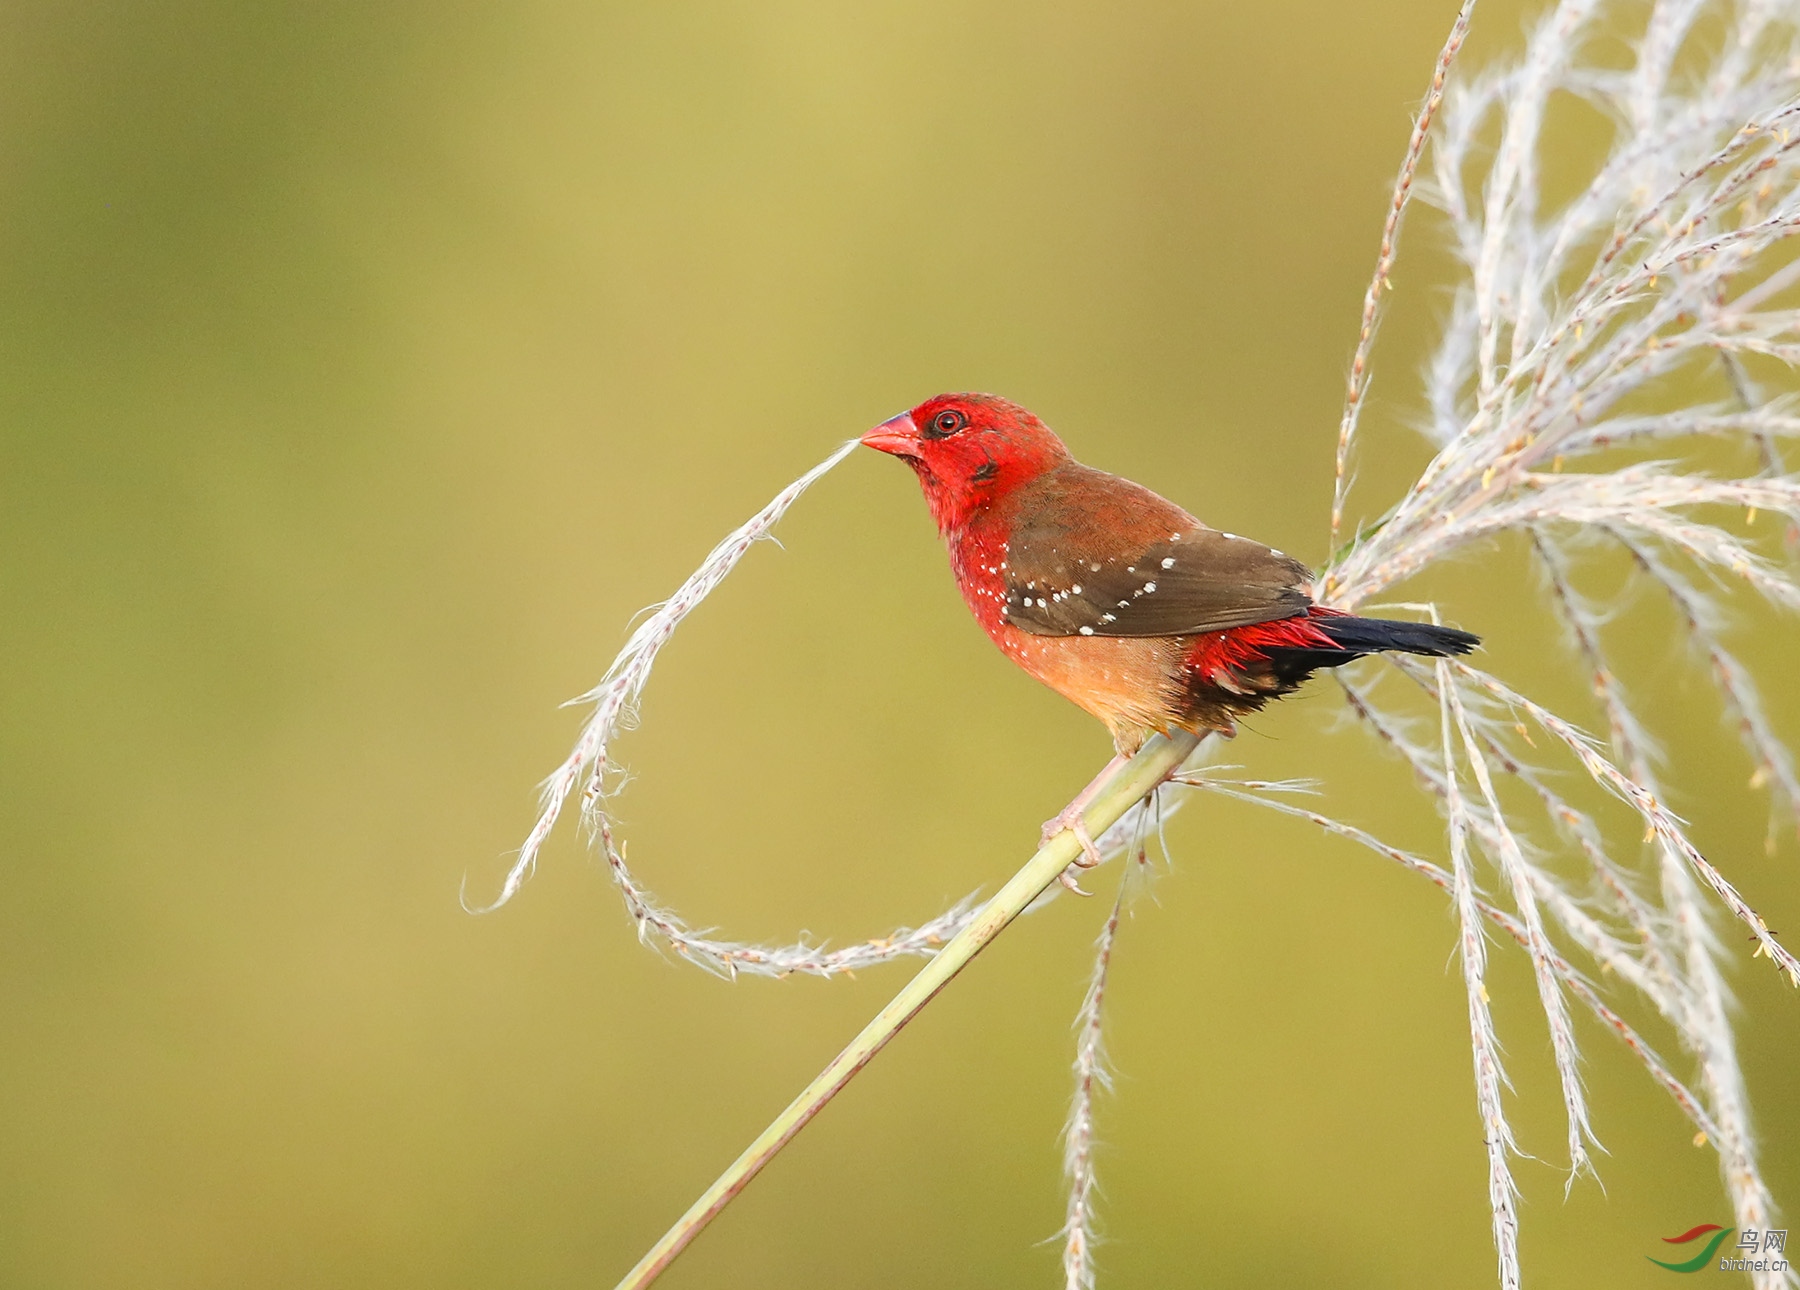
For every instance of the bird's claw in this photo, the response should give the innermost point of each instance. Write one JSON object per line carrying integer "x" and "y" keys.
{"x": 1071, "y": 821}
{"x": 1067, "y": 879}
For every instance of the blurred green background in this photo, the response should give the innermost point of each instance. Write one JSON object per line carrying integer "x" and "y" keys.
{"x": 365, "y": 368}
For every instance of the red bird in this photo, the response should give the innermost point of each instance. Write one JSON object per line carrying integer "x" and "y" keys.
{"x": 1113, "y": 596}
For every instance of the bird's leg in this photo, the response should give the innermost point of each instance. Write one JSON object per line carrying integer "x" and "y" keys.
{"x": 1070, "y": 818}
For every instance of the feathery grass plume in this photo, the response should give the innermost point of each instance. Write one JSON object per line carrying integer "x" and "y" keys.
{"x": 1580, "y": 334}
{"x": 1654, "y": 311}
{"x": 1092, "y": 1076}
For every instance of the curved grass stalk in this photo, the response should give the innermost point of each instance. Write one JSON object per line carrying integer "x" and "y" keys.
{"x": 1358, "y": 380}
{"x": 1490, "y": 1074}
{"x": 1661, "y": 823}
{"x": 1566, "y": 972}
{"x": 1517, "y": 871}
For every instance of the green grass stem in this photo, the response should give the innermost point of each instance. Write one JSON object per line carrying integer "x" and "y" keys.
{"x": 1129, "y": 785}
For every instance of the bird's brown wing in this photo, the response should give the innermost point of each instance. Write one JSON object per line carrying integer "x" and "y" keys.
{"x": 1066, "y": 574}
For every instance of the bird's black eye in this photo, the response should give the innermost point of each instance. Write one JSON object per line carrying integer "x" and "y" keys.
{"x": 945, "y": 424}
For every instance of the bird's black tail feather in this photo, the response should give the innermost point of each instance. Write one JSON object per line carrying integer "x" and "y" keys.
{"x": 1356, "y": 637}
{"x": 1372, "y": 635}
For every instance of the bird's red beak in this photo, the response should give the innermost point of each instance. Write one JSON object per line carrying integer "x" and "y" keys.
{"x": 897, "y": 435}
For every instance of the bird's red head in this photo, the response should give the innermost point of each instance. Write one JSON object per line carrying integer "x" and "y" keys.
{"x": 967, "y": 450}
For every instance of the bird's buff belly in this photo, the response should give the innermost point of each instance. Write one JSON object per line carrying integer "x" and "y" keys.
{"x": 1130, "y": 683}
